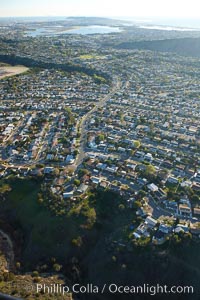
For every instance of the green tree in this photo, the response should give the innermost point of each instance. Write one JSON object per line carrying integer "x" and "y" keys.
{"x": 137, "y": 204}
{"x": 195, "y": 198}
{"x": 4, "y": 188}
{"x": 77, "y": 242}
{"x": 83, "y": 172}
{"x": 121, "y": 206}
{"x": 137, "y": 144}
{"x": 100, "y": 138}
{"x": 18, "y": 265}
{"x": 35, "y": 274}
{"x": 150, "y": 172}
{"x": 114, "y": 259}
{"x": 77, "y": 182}
{"x": 57, "y": 267}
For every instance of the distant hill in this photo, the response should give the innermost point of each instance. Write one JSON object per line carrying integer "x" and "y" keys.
{"x": 182, "y": 46}
{"x": 85, "y": 21}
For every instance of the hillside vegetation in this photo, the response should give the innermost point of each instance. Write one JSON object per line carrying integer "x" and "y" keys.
{"x": 93, "y": 237}
{"x": 181, "y": 46}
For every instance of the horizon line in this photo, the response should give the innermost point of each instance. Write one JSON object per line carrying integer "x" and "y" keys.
{"x": 97, "y": 16}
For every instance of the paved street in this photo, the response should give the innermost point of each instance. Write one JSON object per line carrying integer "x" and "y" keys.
{"x": 85, "y": 120}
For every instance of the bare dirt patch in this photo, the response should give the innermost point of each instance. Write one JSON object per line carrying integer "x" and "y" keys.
{"x": 6, "y": 71}
{"x": 6, "y": 248}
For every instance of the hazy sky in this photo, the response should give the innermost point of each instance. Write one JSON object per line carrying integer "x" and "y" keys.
{"x": 128, "y": 8}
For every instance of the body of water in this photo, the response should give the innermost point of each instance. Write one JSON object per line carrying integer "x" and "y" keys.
{"x": 180, "y": 24}
{"x": 84, "y": 30}
{"x": 168, "y": 28}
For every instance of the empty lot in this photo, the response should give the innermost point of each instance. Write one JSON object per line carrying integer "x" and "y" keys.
{"x": 6, "y": 71}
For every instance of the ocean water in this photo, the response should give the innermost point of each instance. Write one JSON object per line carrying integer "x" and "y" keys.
{"x": 181, "y": 24}
{"x": 168, "y": 28}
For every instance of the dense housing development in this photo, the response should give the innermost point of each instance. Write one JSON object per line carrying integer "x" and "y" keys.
{"x": 92, "y": 116}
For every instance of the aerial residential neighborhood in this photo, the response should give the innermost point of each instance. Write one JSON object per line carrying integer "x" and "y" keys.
{"x": 46, "y": 125}
{"x": 99, "y": 152}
